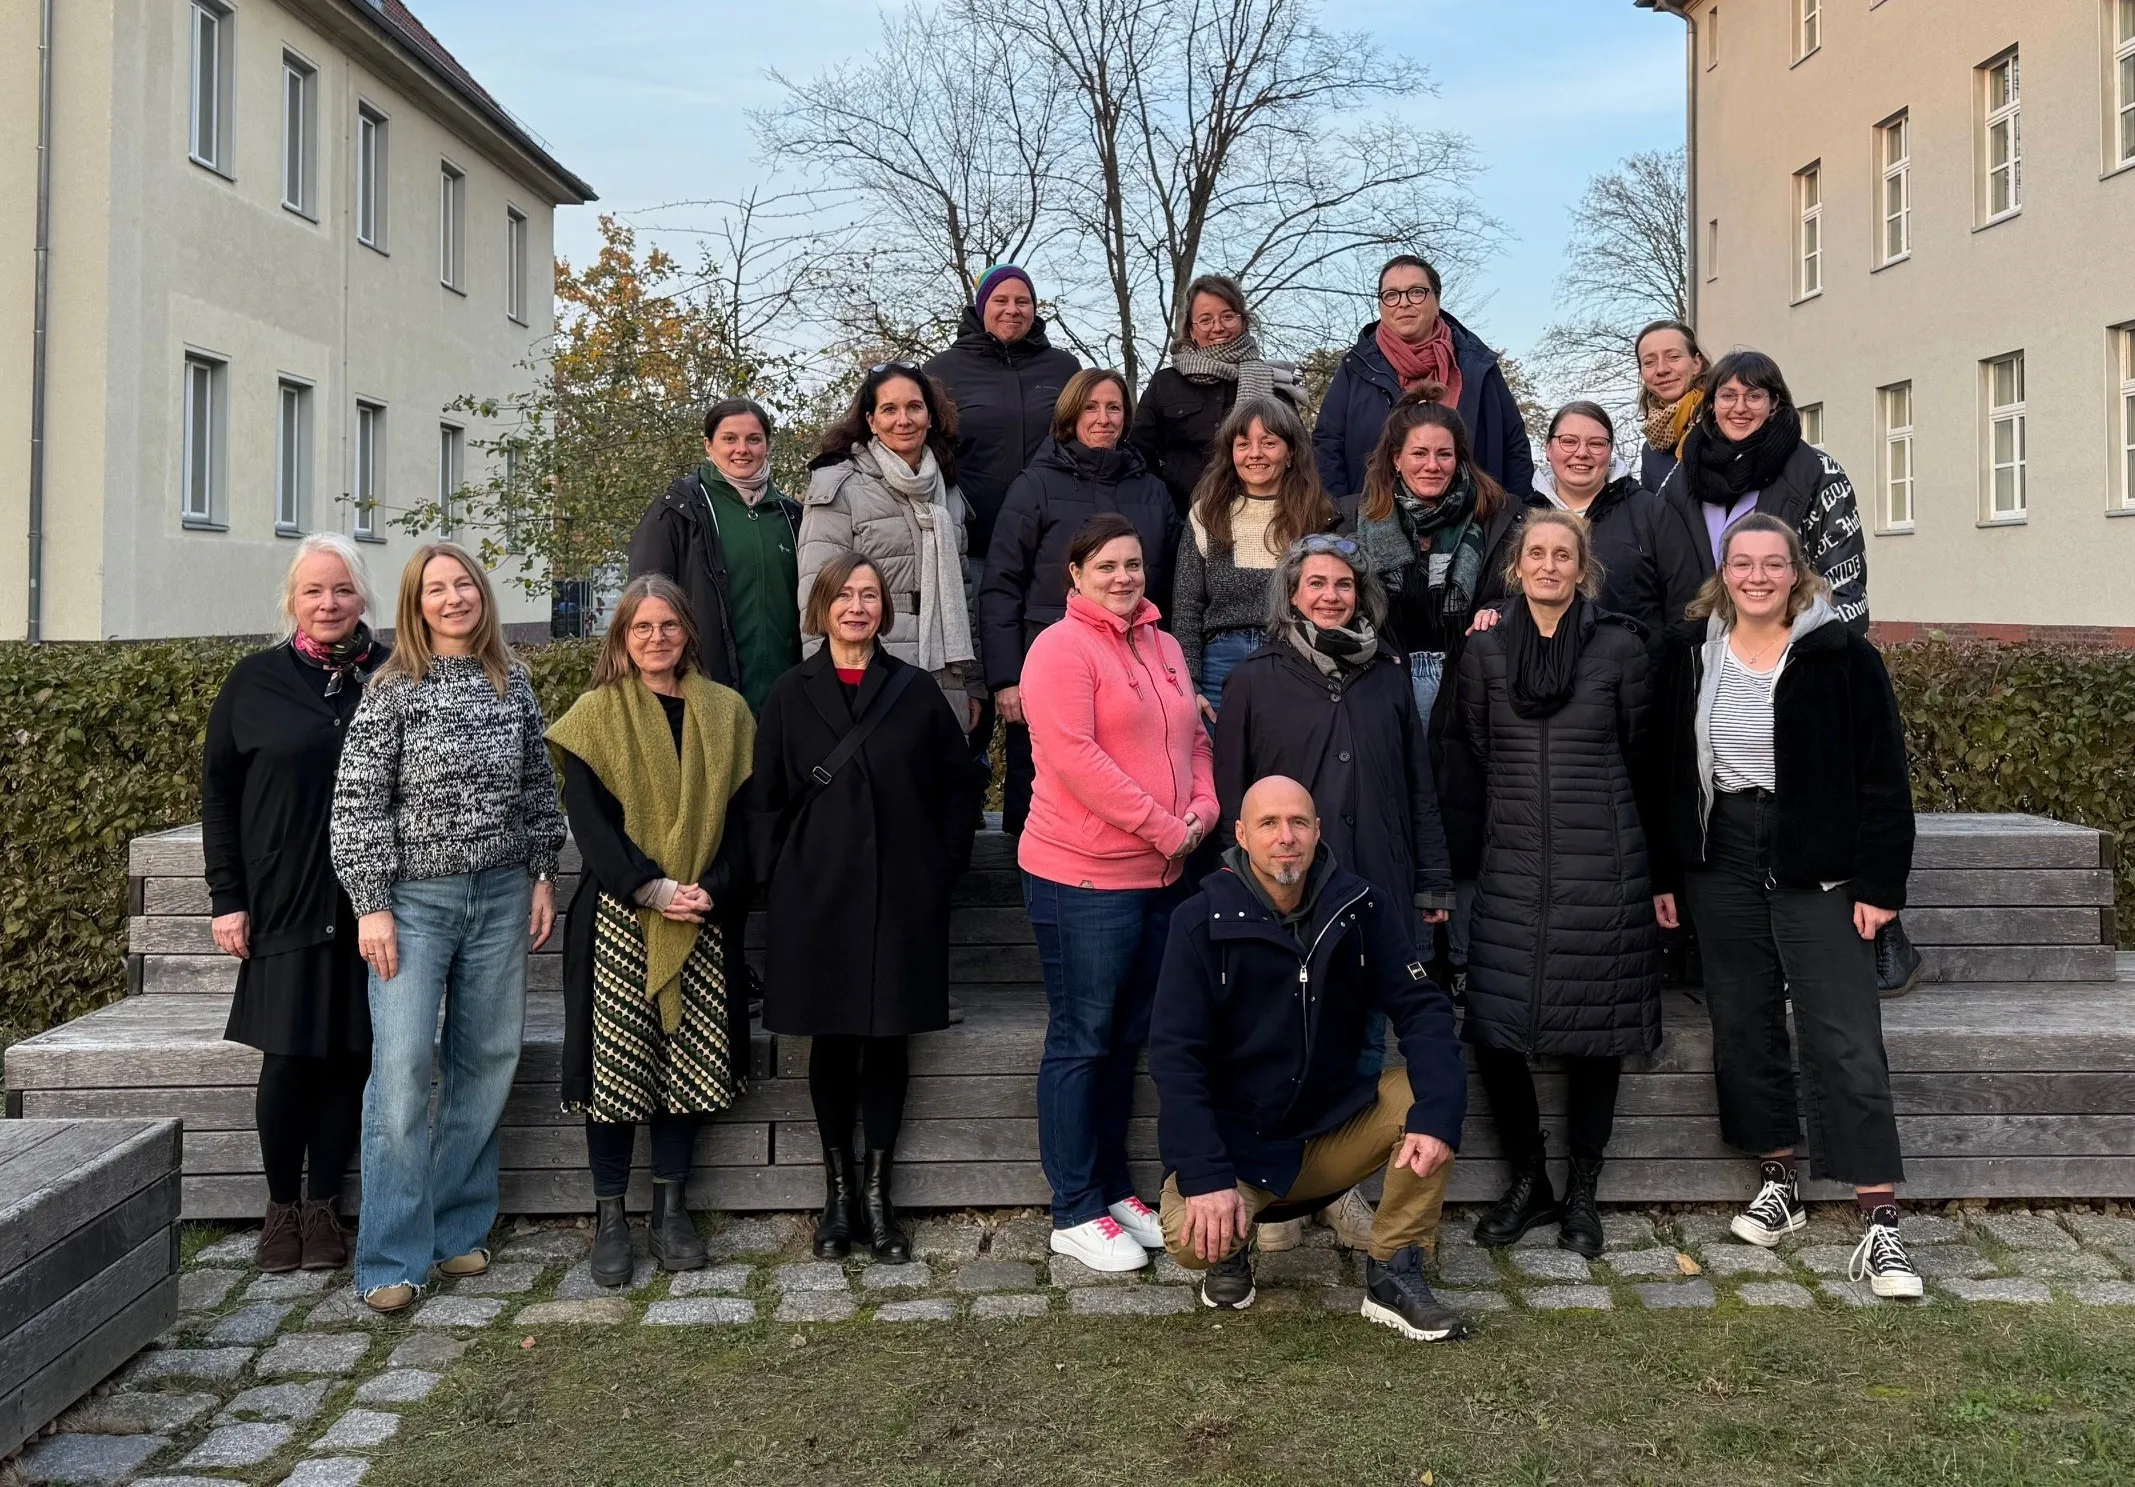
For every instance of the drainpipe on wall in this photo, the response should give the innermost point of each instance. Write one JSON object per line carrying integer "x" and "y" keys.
{"x": 1680, "y": 9}
{"x": 34, "y": 630}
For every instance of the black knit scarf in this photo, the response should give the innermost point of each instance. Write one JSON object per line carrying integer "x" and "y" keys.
{"x": 1542, "y": 669}
{"x": 1722, "y": 471}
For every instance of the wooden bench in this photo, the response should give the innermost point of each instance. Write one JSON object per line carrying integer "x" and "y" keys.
{"x": 2015, "y": 1070}
{"x": 88, "y": 1257}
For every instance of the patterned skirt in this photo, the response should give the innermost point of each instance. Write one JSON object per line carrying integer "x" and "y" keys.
{"x": 640, "y": 1070}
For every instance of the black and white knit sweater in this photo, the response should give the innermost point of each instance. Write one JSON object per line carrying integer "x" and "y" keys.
{"x": 441, "y": 777}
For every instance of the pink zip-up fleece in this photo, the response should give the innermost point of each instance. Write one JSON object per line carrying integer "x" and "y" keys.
{"x": 1122, "y": 758}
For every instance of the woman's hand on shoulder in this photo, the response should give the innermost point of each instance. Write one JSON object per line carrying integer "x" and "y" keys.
{"x": 1485, "y": 619}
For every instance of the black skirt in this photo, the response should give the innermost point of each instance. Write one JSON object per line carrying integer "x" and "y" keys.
{"x": 311, "y": 1002}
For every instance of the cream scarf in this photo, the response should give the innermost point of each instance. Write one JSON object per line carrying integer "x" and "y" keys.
{"x": 944, "y": 621}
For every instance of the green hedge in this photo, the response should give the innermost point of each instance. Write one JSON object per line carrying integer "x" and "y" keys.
{"x": 101, "y": 743}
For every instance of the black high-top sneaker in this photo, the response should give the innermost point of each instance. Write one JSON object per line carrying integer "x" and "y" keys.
{"x": 1776, "y": 1211}
{"x": 1880, "y": 1258}
{"x": 1227, "y": 1285}
{"x": 1396, "y": 1295}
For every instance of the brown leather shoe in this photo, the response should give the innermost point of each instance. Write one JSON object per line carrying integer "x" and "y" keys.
{"x": 281, "y": 1240}
{"x": 459, "y": 1267}
{"x": 388, "y": 1299}
{"x": 325, "y": 1241}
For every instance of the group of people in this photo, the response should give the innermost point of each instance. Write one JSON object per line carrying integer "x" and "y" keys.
{"x": 1307, "y": 736}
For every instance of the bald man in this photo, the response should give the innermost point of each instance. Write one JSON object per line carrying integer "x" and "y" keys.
{"x": 1270, "y": 978}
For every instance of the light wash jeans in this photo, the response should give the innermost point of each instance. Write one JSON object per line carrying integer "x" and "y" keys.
{"x": 1220, "y": 656}
{"x": 1427, "y": 671}
{"x": 430, "y": 1186}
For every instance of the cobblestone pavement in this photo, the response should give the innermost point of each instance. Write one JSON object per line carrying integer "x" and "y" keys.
{"x": 289, "y": 1380}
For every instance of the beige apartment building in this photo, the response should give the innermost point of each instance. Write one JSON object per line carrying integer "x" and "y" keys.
{"x": 1925, "y": 210}
{"x": 280, "y": 238}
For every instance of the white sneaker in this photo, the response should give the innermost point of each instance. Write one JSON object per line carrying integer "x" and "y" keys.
{"x": 1101, "y": 1244}
{"x": 1139, "y": 1220}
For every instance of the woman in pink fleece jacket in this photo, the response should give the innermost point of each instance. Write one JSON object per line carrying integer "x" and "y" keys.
{"x": 1125, "y": 790}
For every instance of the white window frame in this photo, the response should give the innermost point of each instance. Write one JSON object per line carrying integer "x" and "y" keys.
{"x": 292, "y": 456}
{"x": 1712, "y": 250}
{"x": 517, "y": 232}
{"x": 2005, "y": 118}
{"x": 1894, "y": 421}
{"x": 1712, "y": 38}
{"x": 372, "y": 175}
{"x": 1809, "y": 231}
{"x": 451, "y": 472}
{"x": 1812, "y": 424}
{"x": 300, "y": 136}
{"x": 2007, "y": 415}
{"x": 2124, "y": 403}
{"x": 2120, "y": 84}
{"x": 1808, "y": 29}
{"x": 211, "y": 28}
{"x": 452, "y": 226}
{"x": 1894, "y": 206}
{"x": 204, "y": 422}
{"x": 367, "y": 484}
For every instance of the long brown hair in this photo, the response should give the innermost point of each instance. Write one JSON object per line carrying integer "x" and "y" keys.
{"x": 614, "y": 663}
{"x": 1419, "y": 408}
{"x": 1714, "y": 597}
{"x": 853, "y": 430}
{"x": 412, "y": 655}
{"x": 1301, "y": 504}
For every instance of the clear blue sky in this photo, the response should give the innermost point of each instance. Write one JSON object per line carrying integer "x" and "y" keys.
{"x": 646, "y": 99}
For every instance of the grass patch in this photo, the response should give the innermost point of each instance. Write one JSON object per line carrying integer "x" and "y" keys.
{"x": 1940, "y": 1394}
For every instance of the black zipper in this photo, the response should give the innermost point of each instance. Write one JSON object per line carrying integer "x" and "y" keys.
{"x": 1304, "y": 984}
{"x": 1534, "y": 991}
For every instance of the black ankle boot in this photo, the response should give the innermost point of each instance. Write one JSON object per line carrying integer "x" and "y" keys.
{"x": 1580, "y": 1231}
{"x": 612, "y": 1260}
{"x": 1528, "y": 1202}
{"x": 671, "y": 1236}
{"x": 841, "y": 1195}
{"x": 885, "y": 1235}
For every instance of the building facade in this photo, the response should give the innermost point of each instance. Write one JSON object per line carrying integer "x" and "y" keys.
{"x": 280, "y": 239}
{"x": 1925, "y": 210}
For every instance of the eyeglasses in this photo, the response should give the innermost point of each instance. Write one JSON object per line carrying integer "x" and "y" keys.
{"x": 1769, "y": 567}
{"x": 1416, "y": 296}
{"x": 1741, "y": 397}
{"x": 1320, "y": 544}
{"x": 665, "y": 629}
{"x": 893, "y": 366}
{"x": 1572, "y": 444}
{"x": 1220, "y": 318}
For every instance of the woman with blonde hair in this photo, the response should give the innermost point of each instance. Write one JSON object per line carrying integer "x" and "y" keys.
{"x": 1555, "y": 702}
{"x": 1259, "y": 494}
{"x": 267, "y": 787}
{"x": 654, "y": 757}
{"x": 445, "y": 833}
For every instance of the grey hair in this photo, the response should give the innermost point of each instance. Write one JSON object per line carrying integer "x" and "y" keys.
{"x": 351, "y": 557}
{"x": 1371, "y": 593}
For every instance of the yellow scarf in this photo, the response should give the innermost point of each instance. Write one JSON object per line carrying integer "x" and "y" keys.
{"x": 1667, "y": 424}
{"x": 673, "y": 808}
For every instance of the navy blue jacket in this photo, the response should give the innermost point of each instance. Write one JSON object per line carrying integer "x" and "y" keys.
{"x": 1253, "y": 1059}
{"x": 1365, "y": 389}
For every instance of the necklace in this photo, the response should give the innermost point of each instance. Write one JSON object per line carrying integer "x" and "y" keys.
{"x": 1752, "y": 658}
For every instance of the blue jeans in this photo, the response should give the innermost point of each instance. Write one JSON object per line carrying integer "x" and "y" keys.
{"x": 1101, "y": 950}
{"x": 1427, "y": 670}
{"x": 430, "y": 1186}
{"x": 1373, "y": 1057}
{"x": 1220, "y": 657}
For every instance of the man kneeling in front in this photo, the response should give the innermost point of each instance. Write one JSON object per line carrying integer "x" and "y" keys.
{"x": 1270, "y": 978}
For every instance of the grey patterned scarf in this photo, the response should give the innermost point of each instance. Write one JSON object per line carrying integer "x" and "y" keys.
{"x": 1239, "y": 361}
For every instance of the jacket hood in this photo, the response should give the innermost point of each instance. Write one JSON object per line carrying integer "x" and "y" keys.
{"x": 1097, "y": 617}
{"x": 1237, "y": 907}
{"x": 1818, "y": 616}
{"x": 682, "y": 491}
{"x": 1621, "y": 483}
{"x": 972, "y": 335}
{"x": 1104, "y": 466}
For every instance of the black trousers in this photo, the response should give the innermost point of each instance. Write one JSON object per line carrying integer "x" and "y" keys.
{"x": 1590, "y": 1112}
{"x": 1765, "y": 945}
{"x": 609, "y": 1145}
{"x": 309, "y": 1106}
{"x": 864, "y": 1077}
{"x": 1019, "y": 777}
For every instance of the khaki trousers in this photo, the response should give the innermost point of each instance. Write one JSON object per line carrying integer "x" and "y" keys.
{"x": 1335, "y": 1163}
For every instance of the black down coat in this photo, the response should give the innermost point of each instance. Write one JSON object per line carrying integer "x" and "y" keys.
{"x": 859, "y": 877}
{"x": 1564, "y": 952}
{"x": 1175, "y": 423}
{"x": 1649, "y": 570}
{"x": 1004, "y": 394}
{"x": 1025, "y": 588}
{"x": 1359, "y": 749}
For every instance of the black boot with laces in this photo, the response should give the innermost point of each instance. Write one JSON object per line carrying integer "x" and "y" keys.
{"x": 1530, "y": 1201}
{"x": 1580, "y": 1231}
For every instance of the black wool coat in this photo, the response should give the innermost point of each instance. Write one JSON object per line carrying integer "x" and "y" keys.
{"x": 1004, "y": 394}
{"x": 1256, "y": 1031}
{"x": 678, "y": 538}
{"x": 1564, "y": 952}
{"x": 1845, "y": 802}
{"x": 1649, "y": 570}
{"x": 1360, "y": 749}
{"x": 1175, "y": 425}
{"x": 267, "y": 791}
{"x": 859, "y": 877}
{"x": 619, "y": 866}
{"x": 1026, "y": 583}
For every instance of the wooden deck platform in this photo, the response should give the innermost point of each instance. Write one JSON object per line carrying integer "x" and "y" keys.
{"x": 2015, "y": 1070}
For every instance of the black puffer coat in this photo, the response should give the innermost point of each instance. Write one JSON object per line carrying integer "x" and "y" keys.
{"x": 1025, "y": 588}
{"x": 1359, "y": 749}
{"x": 1175, "y": 423}
{"x": 1564, "y": 955}
{"x": 1004, "y": 393}
{"x": 1649, "y": 570}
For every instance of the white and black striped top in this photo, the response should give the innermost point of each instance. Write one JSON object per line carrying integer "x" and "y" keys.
{"x": 1742, "y": 728}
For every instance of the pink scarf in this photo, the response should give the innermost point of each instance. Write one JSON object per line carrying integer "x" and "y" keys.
{"x": 1433, "y": 361}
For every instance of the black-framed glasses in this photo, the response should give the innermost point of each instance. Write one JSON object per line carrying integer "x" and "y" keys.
{"x": 1415, "y": 295}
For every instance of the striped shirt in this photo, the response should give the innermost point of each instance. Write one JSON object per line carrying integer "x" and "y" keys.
{"x": 1742, "y": 728}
